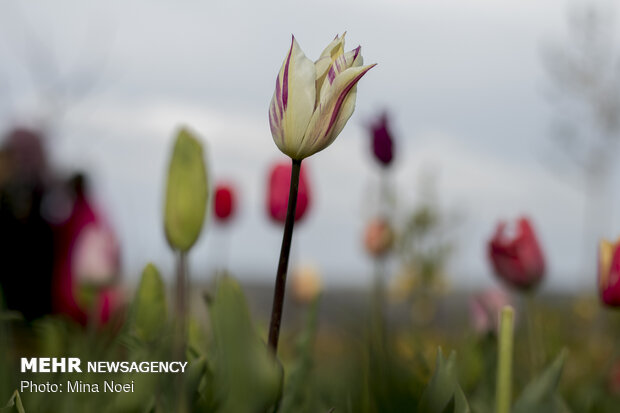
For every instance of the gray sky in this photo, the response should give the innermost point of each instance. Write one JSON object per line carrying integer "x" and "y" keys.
{"x": 463, "y": 80}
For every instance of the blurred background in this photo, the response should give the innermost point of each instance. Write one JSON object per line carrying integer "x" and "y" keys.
{"x": 498, "y": 109}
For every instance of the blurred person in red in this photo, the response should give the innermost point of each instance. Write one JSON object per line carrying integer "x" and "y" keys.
{"x": 87, "y": 261}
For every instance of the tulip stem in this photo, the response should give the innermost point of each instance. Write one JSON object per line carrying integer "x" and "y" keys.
{"x": 503, "y": 389}
{"x": 280, "y": 287}
{"x": 536, "y": 350}
{"x": 181, "y": 303}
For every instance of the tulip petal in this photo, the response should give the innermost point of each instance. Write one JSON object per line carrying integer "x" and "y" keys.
{"x": 606, "y": 252}
{"x": 336, "y": 46}
{"x": 332, "y": 52}
{"x": 609, "y": 273}
{"x": 293, "y": 101}
{"x": 333, "y": 111}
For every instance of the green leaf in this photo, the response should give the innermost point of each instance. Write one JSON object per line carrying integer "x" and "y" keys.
{"x": 540, "y": 396}
{"x": 150, "y": 308}
{"x": 443, "y": 394}
{"x": 298, "y": 396}
{"x": 248, "y": 378}
{"x": 186, "y": 192}
{"x": 14, "y": 404}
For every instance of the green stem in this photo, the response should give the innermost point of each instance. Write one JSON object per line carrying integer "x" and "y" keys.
{"x": 503, "y": 388}
{"x": 378, "y": 305}
{"x": 285, "y": 250}
{"x": 181, "y": 304}
{"x": 534, "y": 342}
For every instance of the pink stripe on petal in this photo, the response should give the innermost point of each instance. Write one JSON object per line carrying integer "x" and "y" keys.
{"x": 357, "y": 52}
{"x": 285, "y": 78}
{"x": 331, "y": 75}
{"x": 341, "y": 98}
{"x": 279, "y": 96}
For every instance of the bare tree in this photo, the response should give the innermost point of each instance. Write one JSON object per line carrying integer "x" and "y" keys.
{"x": 584, "y": 89}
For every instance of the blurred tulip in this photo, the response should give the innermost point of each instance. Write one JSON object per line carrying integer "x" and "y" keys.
{"x": 609, "y": 273}
{"x": 86, "y": 256}
{"x": 485, "y": 307}
{"x": 518, "y": 260}
{"x": 224, "y": 202}
{"x": 382, "y": 143}
{"x": 187, "y": 191}
{"x": 278, "y": 192}
{"x": 378, "y": 237}
{"x": 614, "y": 378}
{"x": 312, "y": 102}
{"x": 306, "y": 283}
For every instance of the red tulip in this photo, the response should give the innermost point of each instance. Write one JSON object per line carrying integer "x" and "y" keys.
{"x": 518, "y": 260}
{"x": 224, "y": 202}
{"x": 609, "y": 273}
{"x": 278, "y": 191}
{"x": 382, "y": 143}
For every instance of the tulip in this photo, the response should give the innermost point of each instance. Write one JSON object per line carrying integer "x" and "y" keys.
{"x": 378, "y": 237}
{"x": 278, "y": 193}
{"x": 382, "y": 143}
{"x": 224, "y": 202}
{"x": 310, "y": 106}
{"x": 312, "y": 102}
{"x": 485, "y": 307}
{"x": 186, "y": 192}
{"x": 609, "y": 273}
{"x": 307, "y": 284}
{"x": 517, "y": 260}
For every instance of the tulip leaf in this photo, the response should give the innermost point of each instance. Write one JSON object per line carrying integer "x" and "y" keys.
{"x": 150, "y": 309}
{"x": 443, "y": 394}
{"x": 248, "y": 376}
{"x": 14, "y": 404}
{"x": 298, "y": 391}
{"x": 540, "y": 396}
{"x": 186, "y": 192}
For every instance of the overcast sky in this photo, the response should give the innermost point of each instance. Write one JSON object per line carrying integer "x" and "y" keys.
{"x": 463, "y": 80}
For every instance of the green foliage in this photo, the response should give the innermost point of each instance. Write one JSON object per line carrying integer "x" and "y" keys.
{"x": 14, "y": 405}
{"x": 444, "y": 394}
{"x": 186, "y": 192}
{"x": 150, "y": 309}
{"x": 298, "y": 390}
{"x": 540, "y": 395}
{"x": 248, "y": 376}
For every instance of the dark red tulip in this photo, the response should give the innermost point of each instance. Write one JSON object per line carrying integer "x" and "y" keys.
{"x": 278, "y": 191}
{"x": 382, "y": 143}
{"x": 609, "y": 272}
{"x": 517, "y": 259}
{"x": 224, "y": 202}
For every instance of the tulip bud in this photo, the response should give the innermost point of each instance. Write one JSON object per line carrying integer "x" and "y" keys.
{"x": 378, "y": 237}
{"x": 312, "y": 102}
{"x": 306, "y": 284}
{"x": 186, "y": 192}
{"x": 224, "y": 203}
{"x": 278, "y": 192}
{"x": 518, "y": 260}
{"x": 609, "y": 273}
{"x": 382, "y": 143}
